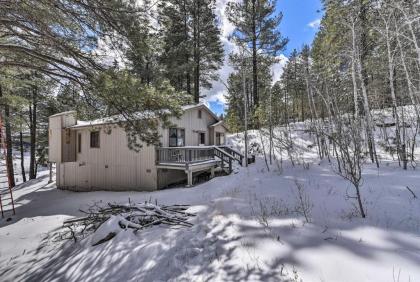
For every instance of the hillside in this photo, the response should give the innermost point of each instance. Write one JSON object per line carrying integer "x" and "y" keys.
{"x": 292, "y": 223}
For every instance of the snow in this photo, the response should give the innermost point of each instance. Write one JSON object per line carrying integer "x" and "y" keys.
{"x": 121, "y": 118}
{"x": 246, "y": 228}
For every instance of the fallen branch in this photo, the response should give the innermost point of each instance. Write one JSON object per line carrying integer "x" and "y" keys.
{"x": 133, "y": 216}
{"x": 414, "y": 195}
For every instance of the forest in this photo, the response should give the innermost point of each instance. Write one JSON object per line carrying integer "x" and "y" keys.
{"x": 120, "y": 57}
{"x": 335, "y": 137}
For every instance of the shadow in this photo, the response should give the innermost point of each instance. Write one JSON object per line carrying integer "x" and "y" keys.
{"x": 230, "y": 240}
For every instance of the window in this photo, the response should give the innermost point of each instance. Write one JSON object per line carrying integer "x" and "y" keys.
{"x": 201, "y": 138}
{"x": 176, "y": 137}
{"x": 94, "y": 139}
{"x": 220, "y": 138}
{"x": 68, "y": 135}
{"x": 199, "y": 113}
{"x": 79, "y": 143}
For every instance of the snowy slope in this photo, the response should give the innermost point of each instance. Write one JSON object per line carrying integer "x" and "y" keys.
{"x": 248, "y": 228}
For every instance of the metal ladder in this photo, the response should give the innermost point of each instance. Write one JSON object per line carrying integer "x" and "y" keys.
{"x": 6, "y": 192}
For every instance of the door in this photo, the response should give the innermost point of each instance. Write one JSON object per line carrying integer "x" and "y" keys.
{"x": 220, "y": 138}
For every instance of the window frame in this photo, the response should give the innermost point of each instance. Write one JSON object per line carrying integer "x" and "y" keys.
{"x": 180, "y": 135}
{"x": 202, "y": 137}
{"x": 200, "y": 114}
{"x": 98, "y": 145}
{"x": 79, "y": 142}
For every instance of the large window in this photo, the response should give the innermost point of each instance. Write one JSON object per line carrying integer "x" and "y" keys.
{"x": 176, "y": 137}
{"x": 94, "y": 139}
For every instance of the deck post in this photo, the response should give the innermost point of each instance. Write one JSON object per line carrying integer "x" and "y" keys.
{"x": 212, "y": 172}
{"x": 51, "y": 173}
{"x": 189, "y": 178}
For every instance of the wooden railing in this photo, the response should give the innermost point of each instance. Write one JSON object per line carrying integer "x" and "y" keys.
{"x": 224, "y": 157}
{"x": 190, "y": 155}
{"x": 183, "y": 155}
{"x": 238, "y": 156}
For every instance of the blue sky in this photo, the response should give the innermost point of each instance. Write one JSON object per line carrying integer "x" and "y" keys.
{"x": 299, "y": 21}
{"x": 300, "y": 24}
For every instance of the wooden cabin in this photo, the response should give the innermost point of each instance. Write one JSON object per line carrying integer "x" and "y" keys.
{"x": 94, "y": 155}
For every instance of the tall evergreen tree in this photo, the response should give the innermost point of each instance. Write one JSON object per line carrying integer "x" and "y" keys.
{"x": 193, "y": 50}
{"x": 256, "y": 27}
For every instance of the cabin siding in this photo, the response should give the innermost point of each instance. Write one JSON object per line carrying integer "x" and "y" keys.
{"x": 217, "y": 129}
{"x": 112, "y": 166}
{"x": 56, "y": 136}
{"x": 192, "y": 125}
{"x": 54, "y": 139}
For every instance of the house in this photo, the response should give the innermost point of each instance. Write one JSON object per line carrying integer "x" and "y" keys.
{"x": 94, "y": 155}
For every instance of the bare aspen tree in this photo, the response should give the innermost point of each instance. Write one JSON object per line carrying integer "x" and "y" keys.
{"x": 386, "y": 32}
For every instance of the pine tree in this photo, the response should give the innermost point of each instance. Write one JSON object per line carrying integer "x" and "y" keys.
{"x": 192, "y": 48}
{"x": 257, "y": 28}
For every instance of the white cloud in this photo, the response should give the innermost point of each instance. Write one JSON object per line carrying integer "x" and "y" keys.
{"x": 218, "y": 91}
{"x": 277, "y": 68}
{"x": 315, "y": 24}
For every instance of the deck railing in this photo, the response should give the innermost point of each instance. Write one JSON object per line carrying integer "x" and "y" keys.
{"x": 183, "y": 155}
{"x": 238, "y": 156}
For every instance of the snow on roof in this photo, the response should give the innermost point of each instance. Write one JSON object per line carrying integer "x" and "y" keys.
{"x": 220, "y": 122}
{"x": 138, "y": 115}
{"x": 64, "y": 113}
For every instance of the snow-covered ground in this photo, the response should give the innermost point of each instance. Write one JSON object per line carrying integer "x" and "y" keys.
{"x": 248, "y": 228}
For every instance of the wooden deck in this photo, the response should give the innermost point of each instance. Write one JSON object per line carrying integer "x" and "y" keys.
{"x": 197, "y": 158}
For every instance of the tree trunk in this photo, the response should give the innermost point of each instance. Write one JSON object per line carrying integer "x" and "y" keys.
{"x": 409, "y": 22}
{"x": 368, "y": 120}
{"x": 391, "y": 70}
{"x": 361, "y": 70}
{"x": 32, "y": 120}
{"x": 254, "y": 56}
{"x": 8, "y": 140}
{"x": 359, "y": 201}
{"x": 411, "y": 91}
{"x": 311, "y": 103}
{"x": 353, "y": 73}
{"x": 187, "y": 55}
{"x": 22, "y": 156}
{"x": 196, "y": 52}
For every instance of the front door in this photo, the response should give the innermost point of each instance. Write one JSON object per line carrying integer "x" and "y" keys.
{"x": 220, "y": 138}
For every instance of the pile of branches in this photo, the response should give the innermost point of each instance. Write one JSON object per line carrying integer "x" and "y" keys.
{"x": 129, "y": 216}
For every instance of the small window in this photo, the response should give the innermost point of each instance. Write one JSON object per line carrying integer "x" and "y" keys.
{"x": 94, "y": 139}
{"x": 202, "y": 138}
{"x": 199, "y": 113}
{"x": 79, "y": 143}
{"x": 68, "y": 135}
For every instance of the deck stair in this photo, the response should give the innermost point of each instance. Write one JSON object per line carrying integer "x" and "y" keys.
{"x": 227, "y": 156}
{"x": 233, "y": 153}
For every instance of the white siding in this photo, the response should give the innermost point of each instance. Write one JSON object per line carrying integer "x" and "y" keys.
{"x": 113, "y": 166}
{"x": 54, "y": 139}
{"x": 55, "y": 134}
{"x": 192, "y": 125}
{"x": 218, "y": 128}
